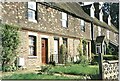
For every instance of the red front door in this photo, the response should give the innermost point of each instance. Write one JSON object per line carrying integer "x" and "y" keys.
{"x": 44, "y": 51}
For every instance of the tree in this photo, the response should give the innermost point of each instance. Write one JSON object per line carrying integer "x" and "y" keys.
{"x": 112, "y": 9}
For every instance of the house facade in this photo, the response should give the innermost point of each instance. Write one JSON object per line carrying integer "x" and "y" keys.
{"x": 46, "y": 26}
{"x": 104, "y": 34}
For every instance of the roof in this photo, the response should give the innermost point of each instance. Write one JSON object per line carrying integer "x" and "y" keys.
{"x": 76, "y": 10}
{"x": 100, "y": 39}
{"x": 71, "y": 8}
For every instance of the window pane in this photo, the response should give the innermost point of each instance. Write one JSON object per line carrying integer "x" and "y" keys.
{"x": 32, "y": 5}
{"x": 31, "y": 14}
{"x": 82, "y": 22}
{"x": 64, "y": 16}
{"x": 64, "y": 23}
{"x": 31, "y": 50}
{"x": 32, "y": 45}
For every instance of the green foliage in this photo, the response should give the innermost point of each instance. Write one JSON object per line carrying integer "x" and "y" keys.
{"x": 84, "y": 46}
{"x": 33, "y": 76}
{"x": 76, "y": 69}
{"x": 105, "y": 57}
{"x": 79, "y": 49}
{"x": 63, "y": 54}
{"x": 83, "y": 61}
{"x": 94, "y": 60}
{"x": 109, "y": 50}
{"x": 110, "y": 57}
{"x": 10, "y": 42}
{"x": 113, "y": 10}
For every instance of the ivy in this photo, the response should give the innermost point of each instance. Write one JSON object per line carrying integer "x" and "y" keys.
{"x": 63, "y": 53}
{"x": 10, "y": 42}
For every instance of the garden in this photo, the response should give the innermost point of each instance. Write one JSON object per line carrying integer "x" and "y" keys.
{"x": 74, "y": 71}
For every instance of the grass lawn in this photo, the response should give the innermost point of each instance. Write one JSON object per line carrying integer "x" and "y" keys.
{"x": 75, "y": 69}
{"x": 33, "y": 76}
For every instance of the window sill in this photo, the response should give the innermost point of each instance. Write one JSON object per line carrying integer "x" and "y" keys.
{"x": 32, "y": 57}
{"x": 32, "y": 20}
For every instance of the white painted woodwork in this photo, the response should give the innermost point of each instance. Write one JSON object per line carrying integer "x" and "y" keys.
{"x": 55, "y": 55}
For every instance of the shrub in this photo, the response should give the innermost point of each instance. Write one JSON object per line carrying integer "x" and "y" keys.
{"x": 84, "y": 61}
{"x": 10, "y": 42}
{"x": 94, "y": 60}
{"x": 110, "y": 57}
{"x": 63, "y": 52}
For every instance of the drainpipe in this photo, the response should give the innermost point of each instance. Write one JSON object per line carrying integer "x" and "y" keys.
{"x": 92, "y": 36}
{"x": 92, "y": 31}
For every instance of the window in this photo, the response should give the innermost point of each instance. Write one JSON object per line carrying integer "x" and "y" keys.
{"x": 32, "y": 45}
{"x": 99, "y": 31}
{"x": 108, "y": 34}
{"x": 83, "y": 25}
{"x": 98, "y": 49}
{"x": 32, "y": 16}
{"x": 64, "y": 20}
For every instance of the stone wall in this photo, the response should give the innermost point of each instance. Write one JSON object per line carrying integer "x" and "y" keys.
{"x": 111, "y": 70}
{"x": 48, "y": 20}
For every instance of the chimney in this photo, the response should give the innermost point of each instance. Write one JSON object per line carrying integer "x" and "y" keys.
{"x": 92, "y": 9}
{"x": 109, "y": 20}
{"x": 100, "y": 5}
{"x": 100, "y": 13}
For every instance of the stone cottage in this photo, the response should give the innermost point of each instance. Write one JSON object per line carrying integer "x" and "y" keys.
{"x": 46, "y": 26}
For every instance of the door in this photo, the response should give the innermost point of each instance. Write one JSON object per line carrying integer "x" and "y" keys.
{"x": 55, "y": 55}
{"x": 44, "y": 51}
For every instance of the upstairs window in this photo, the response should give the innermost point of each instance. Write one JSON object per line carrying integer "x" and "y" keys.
{"x": 99, "y": 31}
{"x": 82, "y": 25}
{"x": 32, "y": 11}
{"x": 64, "y": 20}
{"x": 32, "y": 45}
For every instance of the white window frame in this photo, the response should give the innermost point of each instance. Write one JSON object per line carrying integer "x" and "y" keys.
{"x": 36, "y": 35}
{"x": 32, "y": 11}
{"x": 82, "y": 24}
{"x": 32, "y": 45}
{"x": 64, "y": 20}
{"x": 99, "y": 31}
{"x": 98, "y": 46}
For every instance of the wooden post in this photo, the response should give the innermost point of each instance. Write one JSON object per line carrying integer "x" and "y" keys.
{"x": 100, "y": 66}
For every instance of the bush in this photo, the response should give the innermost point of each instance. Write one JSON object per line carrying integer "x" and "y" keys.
{"x": 84, "y": 61}
{"x": 10, "y": 42}
{"x": 63, "y": 52}
{"x": 110, "y": 57}
{"x": 53, "y": 63}
{"x": 8, "y": 68}
{"x": 94, "y": 60}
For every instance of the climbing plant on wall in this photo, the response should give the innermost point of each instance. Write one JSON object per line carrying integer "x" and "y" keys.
{"x": 63, "y": 52}
{"x": 10, "y": 42}
{"x": 84, "y": 42}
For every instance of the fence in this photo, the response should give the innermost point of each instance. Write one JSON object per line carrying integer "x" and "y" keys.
{"x": 110, "y": 69}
